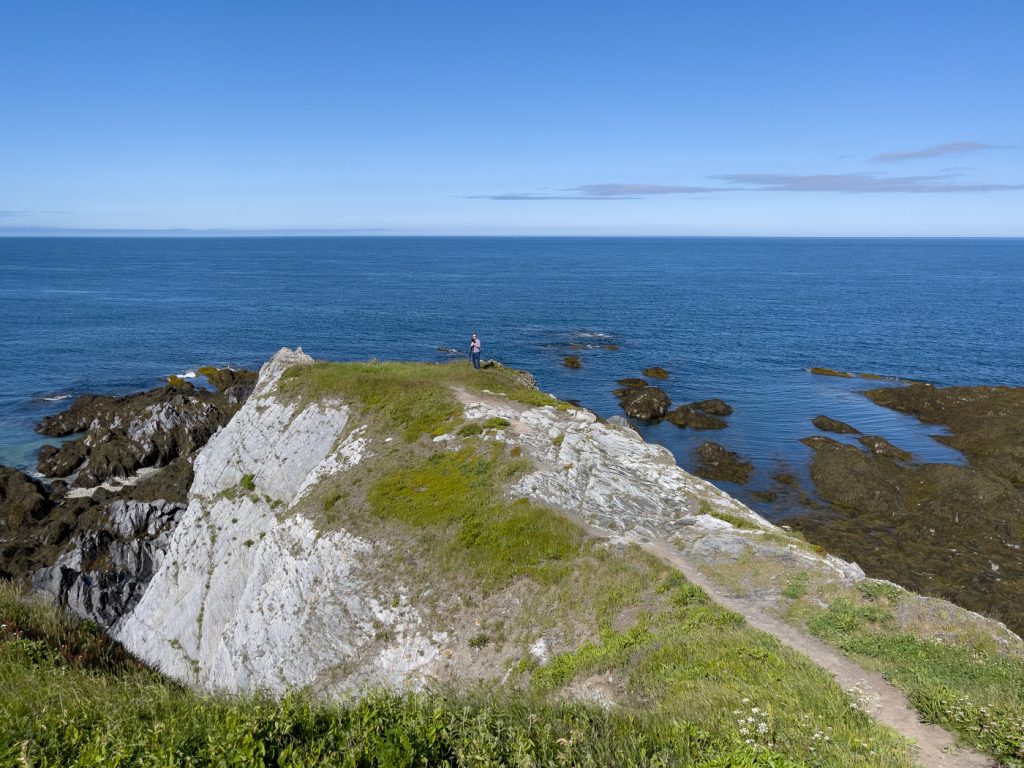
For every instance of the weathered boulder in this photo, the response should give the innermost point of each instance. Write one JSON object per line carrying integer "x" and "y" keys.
{"x": 826, "y": 424}
{"x": 686, "y": 416}
{"x": 647, "y": 403}
{"x": 717, "y": 463}
{"x": 714, "y": 406}
{"x": 22, "y": 499}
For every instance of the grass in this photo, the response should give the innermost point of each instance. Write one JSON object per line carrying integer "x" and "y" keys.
{"x": 458, "y": 493}
{"x": 411, "y": 399}
{"x": 976, "y": 693}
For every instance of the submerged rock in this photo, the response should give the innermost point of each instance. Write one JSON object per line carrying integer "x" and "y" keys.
{"x": 571, "y": 361}
{"x": 656, "y": 372}
{"x": 630, "y": 383}
{"x": 686, "y": 416}
{"x": 831, "y": 372}
{"x": 826, "y": 424}
{"x": 647, "y": 402}
{"x": 717, "y": 463}
{"x": 987, "y": 422}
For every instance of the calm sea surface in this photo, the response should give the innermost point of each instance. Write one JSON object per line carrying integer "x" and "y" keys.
{"x": 741, "y": 319}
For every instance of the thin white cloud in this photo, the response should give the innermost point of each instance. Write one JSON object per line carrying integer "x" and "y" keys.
{"x": 858, "y": 183}
{"x": 939, "y": 150}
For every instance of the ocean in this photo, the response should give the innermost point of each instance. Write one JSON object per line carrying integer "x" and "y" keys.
{"x": 737, "y": 318}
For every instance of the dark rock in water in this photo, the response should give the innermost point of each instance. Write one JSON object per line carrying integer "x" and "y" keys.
{"x": 940, "y": 529}
{"x": 148, "y": 429}
{"x": 825, "y": 424}
{"x": 987, "y": 422}
{"x": 831, "y": 372}
{"x": 23, "y": 501}
{"x": 766, "y": 496}
{"x": 786, "y": 479}
{"x": 610, "y": 347}
{"x": 646, "y": 402}
{"x": 882, "y": 447}
{"x": 631, "y": 383}
{"x": 61, "y": 461}
{"x": 656, "y": 373}
{"x": 685, "y": 416}
{"x": 717, "y": 463}
{"x": 239, "y": 383}
{"x": 714, "y": 406}
{"x": 571, "y": 361}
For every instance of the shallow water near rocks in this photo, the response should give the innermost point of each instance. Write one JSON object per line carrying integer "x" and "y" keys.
{"x": 741, "y": 319}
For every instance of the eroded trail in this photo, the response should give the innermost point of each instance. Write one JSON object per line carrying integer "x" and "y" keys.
{"x": 879, "y": 698}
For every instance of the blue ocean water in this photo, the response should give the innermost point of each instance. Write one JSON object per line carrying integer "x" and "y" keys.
{"x": 741, "y": 319}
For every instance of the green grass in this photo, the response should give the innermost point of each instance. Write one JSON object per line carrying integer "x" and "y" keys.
{"x": 976, "y": 693}
{"x": 411, "y": 399}
{"x": 248, "y": 482}
{"x": 458, "y": 493}
{"x": 67, "y": 709}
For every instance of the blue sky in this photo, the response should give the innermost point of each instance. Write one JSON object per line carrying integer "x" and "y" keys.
{"x": 676, "y": 118}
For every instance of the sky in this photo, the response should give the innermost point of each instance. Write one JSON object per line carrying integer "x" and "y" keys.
{"x": 483, "y": 118}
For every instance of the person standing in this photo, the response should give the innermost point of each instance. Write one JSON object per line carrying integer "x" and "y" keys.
{"x": 474, "y": 351}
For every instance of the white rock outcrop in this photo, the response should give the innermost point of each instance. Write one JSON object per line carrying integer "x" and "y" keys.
{"x": 244, "y": 600}
{"x": 250, "y": 595}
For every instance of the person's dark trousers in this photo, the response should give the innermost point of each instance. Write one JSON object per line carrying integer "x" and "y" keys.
{"x": 476, "y": 359}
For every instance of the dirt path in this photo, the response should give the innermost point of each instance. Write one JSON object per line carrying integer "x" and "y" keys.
{"x": 879, "y": 698}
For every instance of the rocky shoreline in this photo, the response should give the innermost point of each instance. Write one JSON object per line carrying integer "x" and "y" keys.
{"x": 94, "y": 532}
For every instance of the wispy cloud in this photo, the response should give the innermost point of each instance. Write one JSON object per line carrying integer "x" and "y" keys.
{"x": 846, "y": 183}
{"x": 538, "y": 196}
{"x": 13, "y": 214}
{"x": 637, "y": 190}
{"x": 857, "y": 183}
{"x": 939, "y": 150}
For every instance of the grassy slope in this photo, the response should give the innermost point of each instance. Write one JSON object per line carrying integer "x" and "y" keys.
{"x": 629, "y": 626}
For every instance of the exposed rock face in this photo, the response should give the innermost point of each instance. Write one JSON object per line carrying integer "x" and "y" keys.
{"x": 717, "y": 463}
{"x": 826, "y": 424}
{"x": 95, "y": 548}
{"x": 687, "y": 416}
{"x": 125, "y": 434}
{"x": 645, "y": 402}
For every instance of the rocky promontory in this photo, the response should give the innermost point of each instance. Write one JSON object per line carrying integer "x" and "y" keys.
{"x": 356, "y": 526}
